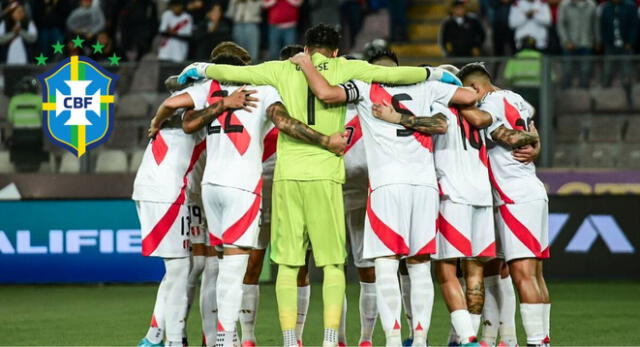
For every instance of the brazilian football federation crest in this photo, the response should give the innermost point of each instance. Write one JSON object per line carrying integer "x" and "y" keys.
{"x": 77, "y": 105}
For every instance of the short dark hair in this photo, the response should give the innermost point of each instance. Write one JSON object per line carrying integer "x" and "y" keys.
{"x": 387, "y": 53}
{"x": 473, "y": 69}
{"x": 289, "y": 51}
{"x": 322, "y": 36}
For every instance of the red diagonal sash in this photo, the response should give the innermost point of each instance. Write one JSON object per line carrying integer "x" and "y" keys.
{"x": 241, "y": 139}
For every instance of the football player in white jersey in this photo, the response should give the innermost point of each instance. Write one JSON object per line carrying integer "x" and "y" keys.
{"x": 355, "y": 196}
{"x": 232, "y": 181}
{"x": 465, "y": 221}
{"x": 161, "y": 192}
{"x": 403, "y": 196}
{"x": 522, "y": 204}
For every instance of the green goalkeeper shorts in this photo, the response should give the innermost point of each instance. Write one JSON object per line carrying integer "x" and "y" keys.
{"x": 306, "y": 212}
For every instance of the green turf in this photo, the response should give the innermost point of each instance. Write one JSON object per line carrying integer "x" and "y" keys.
{"x": 583, "y": 314}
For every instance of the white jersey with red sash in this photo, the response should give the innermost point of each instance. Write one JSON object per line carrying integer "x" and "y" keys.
{"x": 465, "y": 222}
{"x": 175, "y": 49}
{"x": 232, "y": 181}
{"x": 403, "y": 201}
{"x": 160, "y": 191}
{"x": 521, "y": 197}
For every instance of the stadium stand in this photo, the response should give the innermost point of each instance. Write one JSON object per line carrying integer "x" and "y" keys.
{"x": 111, "y": 160}
{"x": 136, "y": 159}
{"x": 5, "y": 165}
{"x": 69, "y": 163}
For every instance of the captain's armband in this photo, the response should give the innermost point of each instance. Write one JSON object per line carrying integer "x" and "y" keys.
{"x": 351, "y": 90}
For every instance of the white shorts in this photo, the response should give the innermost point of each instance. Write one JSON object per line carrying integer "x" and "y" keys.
{"x": 401, "y": 220}
{"x": 355, "y": 225}
{"x": 465, "y": 231}
{"x": 523, "y": 230}
{"x": 165, "y": 229}
{"x": 233, "y": 215}
{"x": 198, "y": 232}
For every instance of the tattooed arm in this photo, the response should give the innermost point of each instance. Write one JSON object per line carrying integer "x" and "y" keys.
{"x": 514, "y": 138}
{"x": 436, "y": 124}
{"x": 335, "y": 143}
{"x": 196, "y": 120}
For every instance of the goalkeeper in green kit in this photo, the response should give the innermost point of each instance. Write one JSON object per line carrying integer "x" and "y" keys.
{"x": 307, "y": 190}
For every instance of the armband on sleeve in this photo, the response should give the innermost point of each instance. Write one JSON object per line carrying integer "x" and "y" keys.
{"x": 350, "y": 88}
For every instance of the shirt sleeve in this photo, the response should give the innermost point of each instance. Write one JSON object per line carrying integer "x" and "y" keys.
{"x": 164, "y": 22}
{"x": 271, "y": 96}
{"x": 361, "y": 70}
{"x": 497, "y": 114}
{"x": 198, "y": 94}
{"x": 441, "y": 92}
{"x": 261, "y": 74}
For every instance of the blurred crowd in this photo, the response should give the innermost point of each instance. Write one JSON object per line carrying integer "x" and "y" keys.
{"x": 182, "y": 29}
{"x": 530, "y": 28}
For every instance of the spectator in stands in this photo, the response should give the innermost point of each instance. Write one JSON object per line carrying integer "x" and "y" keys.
{"x": 246, "y": 18}
{"x": 210, "y": 32}
{"x": 461, "y": 34}
{"x": 531, "y": 18}
{"x": 618, "y": 31}
{"x": 553, "y": 46}
{"x": 523, "y": 72}
{"x": 136, "y": 28}
{"x": 352, "y": 14}
{"x": 25, "y": 116}
{"x": 49, "y": 16}
{"x": 108, "y": 49}
{"x": 398, "y": 16}
{"x": 325, "y": 12}
{"x": 502, "y": 34}
{"x": 175, "y": 28}
{"x": 198, "y": 10}
{"x": 86, "y": 20}
{"x": 283, "y": 19}
{"x": 17, "y": 35}
{"x": 577, "y": 31}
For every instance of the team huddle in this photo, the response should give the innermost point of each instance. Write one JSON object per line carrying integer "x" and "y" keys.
{"x": 432, "y": 163}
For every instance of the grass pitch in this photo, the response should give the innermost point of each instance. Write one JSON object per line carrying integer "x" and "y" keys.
{"x": 118, "y": 315}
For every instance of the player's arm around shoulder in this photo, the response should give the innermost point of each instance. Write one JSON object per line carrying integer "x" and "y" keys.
{"x": 335, "y": 143}
{"x": 319, "y": 85}
{"x": 436, "y": 124}
{"x": 241, "y": 98}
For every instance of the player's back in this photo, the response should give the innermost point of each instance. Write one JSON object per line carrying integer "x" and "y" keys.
{"x": 395, "y": 154}
{"x": 165, "y": 164}
{"x": 235, "y": 140}
{"x": 512, "y": 180}
{"x": 461, "y": 160}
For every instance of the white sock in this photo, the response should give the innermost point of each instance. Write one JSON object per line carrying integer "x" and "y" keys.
{"x": 389, "y": 298}
{"x": 229, "y": 290}
{"x": 342, "y": 333}
{"x": 507, "y": 304}
{"x": 208, "y": 300}
{"x": 197, "y": 266}
{"x": 330, "y": 338}
{"x": 289, "y": 337}
{"x": 490, "y": 310}
{"x": 304, "y": 294}
{"x": 249, "y": 310}
{"x": 405, "y": 288}
{"x": 421, "y": 300}
{"x": 453, "y": 335}
{"x": 177, "y": 275}
{"x": 461, "y": 324}
{"x": 155, "y": 334}
{"x": 533, "y": 322}
{"x": 475, "y": 322}
{"x": 368, "y": 311}
{"x": 547, "y": 320}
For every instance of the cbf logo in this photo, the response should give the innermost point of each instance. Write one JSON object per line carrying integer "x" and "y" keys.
{"x": 77, "y": 106}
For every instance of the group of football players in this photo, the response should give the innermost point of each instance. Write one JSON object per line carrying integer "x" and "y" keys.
{"x": 439, "y": 166}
